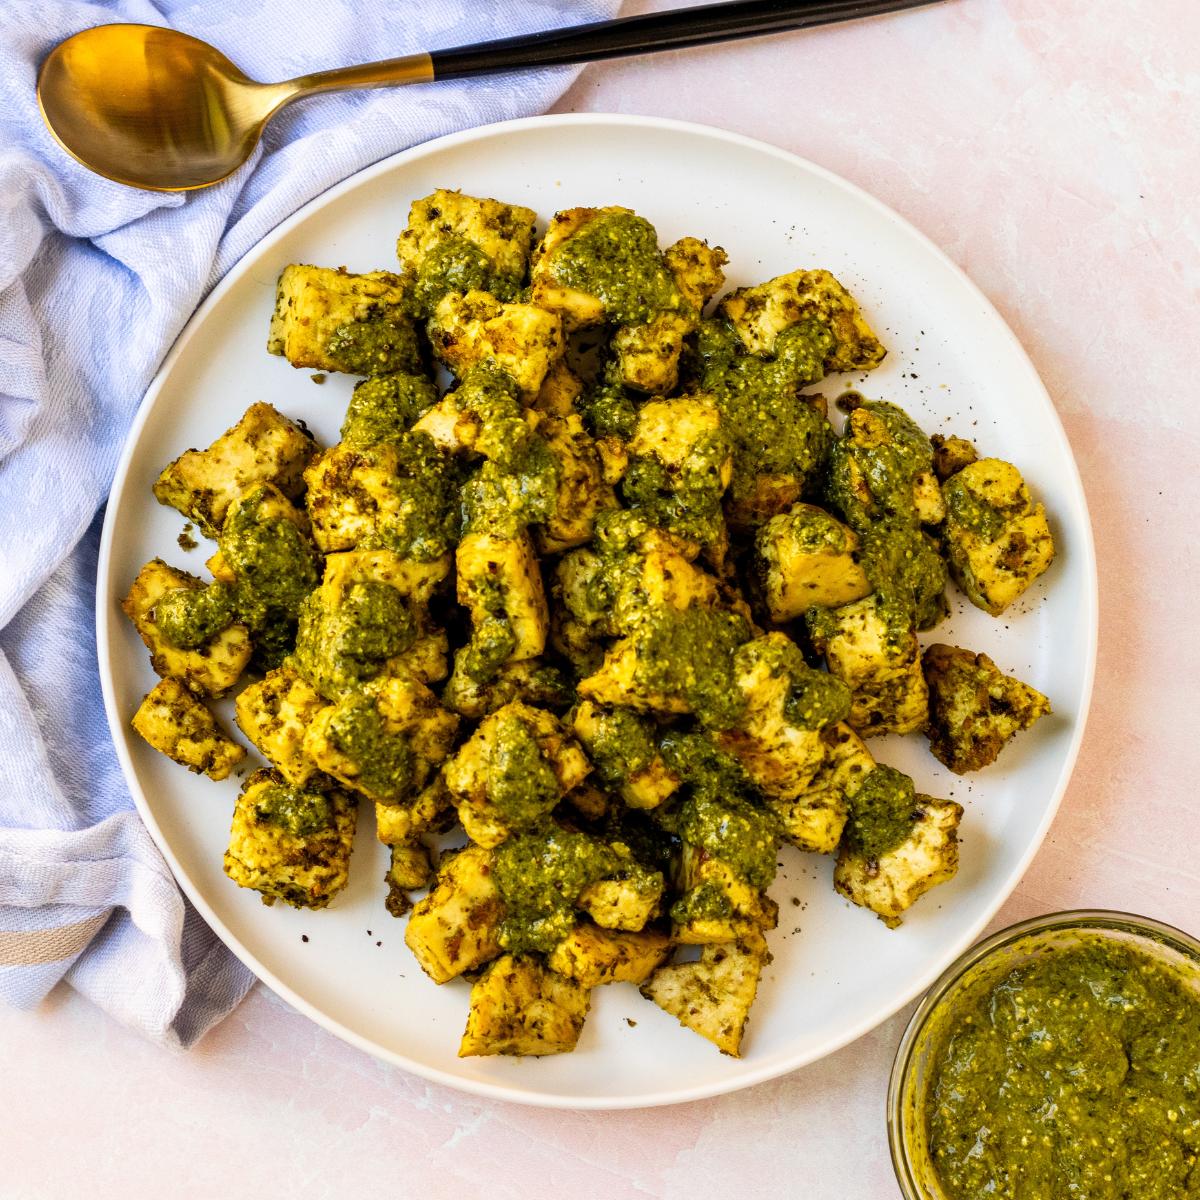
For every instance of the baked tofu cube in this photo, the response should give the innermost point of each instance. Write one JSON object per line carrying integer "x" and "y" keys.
{"x": 210, "y": 670}
{"x": 713, "y": 996}
{"x": 519, "y": 1006}
{"x": 396, "y": 823}
{"x": 647, "y": 354}
{"x": 456, "y": 927}
{"x": 521, "y": 339}
{"x": 454, "y": 242}
{"x": 416, "y": 580}
{"x": 717, "y": 904}
{"x": 807, "y": 557}
{"x": 263, "y": 447}
{"x": 500, "y": 584}
{"x": 622, "y": 746}
{"x": 593, "y": 956}
{"x": 777, "y": 737}
{"x": 879, "y": 661}
{"x": 760, "y": 314}
{"x": 891, "y": 883}
{"x": 397, "y": 495}
{"x": 410, "y": 870}
{"x": 512, "y": 771}
{"x": 384, "y": 740}
{"x": 974, "y": 708}
{"x": 580, "y": 488}
{"x": 180, "y": 726}
{"x": 881, "y": 469}
{"x": 627, "y": 904}
{"x": 618, "y": 683}
{"x": 997, "y": 539}
{"x": 327, "y": 319}
{"x": 532, "y": 681}
{"x": 578, "y": 309}
{"x": 672, "y": 431}
{"x": 814, "y": 819}
{"x": 452, "y": 429}
{"x": 274, "y": 714}
{"x": 951, "y": 454}
{"x": 289, "y": 844}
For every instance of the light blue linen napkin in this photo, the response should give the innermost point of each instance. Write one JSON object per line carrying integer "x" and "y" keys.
{"x": 96, "y": 280}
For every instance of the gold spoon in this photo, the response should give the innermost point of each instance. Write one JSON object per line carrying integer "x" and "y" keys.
{"x": 156, "y": 109}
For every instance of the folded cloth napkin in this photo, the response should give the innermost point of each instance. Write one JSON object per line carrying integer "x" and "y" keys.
{"x": 96, "y": 280}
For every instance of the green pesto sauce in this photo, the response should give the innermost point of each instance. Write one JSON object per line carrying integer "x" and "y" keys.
{"x": 616, "y": 259}
{"x": 384, "y": 408}
{"x": 607, "y": 407}
{"x": 377, "y": 346}
{"x": 966, "y": 510}
{"x": 276, "y": 563}
{"x": 296, "y": 812}
{"x": 707, "y": 902}
{"x": 705, "y": 769}
{"x": 492, "y": 638}
{"x": 515, "y": 489}
{"x": 488, "y": 392}
{"x": 684, "y": 499}
{"x": 1078, "y": 1074}
{"x": 190, "y": 617}
{"x": 623, "y": 745}
{"x": 908, "y": 575}
{"x": 426, "y": 521}
{"x": 456, "y": 264}
{"x": 521, "y": 784}
{"x": 882, "y": 813}
{"x": 887, "y": 467}
{"x": 689, "y": 654}
{"x": 814, "y": 699}
{"x": 773, "y": 429}
{"x": 338, "y": 651}
{"x": 735, "y": 831}
{"x": 541, "y": 874}
{"x": 385, "y": 760}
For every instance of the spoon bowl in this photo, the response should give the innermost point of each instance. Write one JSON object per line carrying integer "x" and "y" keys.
{"x": 152, "y": 107}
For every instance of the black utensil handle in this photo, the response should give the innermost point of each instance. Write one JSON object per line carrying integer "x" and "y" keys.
{"x": 672, "y": 30}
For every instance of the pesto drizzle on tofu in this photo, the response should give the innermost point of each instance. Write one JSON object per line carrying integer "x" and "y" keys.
{"x": 385, "y": 760}
{"x": 615, "y": 257}
{"x": 882, "y": 813}
{"x": 521, "y": 783}
{"x": 297, "y": 812}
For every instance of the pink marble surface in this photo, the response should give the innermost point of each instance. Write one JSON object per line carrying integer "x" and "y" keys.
{"x": 1051, "y": 149}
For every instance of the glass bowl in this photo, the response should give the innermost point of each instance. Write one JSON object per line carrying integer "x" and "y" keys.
{"x": 978, "y": 970}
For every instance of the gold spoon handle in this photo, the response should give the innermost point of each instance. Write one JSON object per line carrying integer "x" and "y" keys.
{"x": 412, "y": 68}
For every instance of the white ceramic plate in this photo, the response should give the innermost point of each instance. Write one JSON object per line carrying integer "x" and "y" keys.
{"x": 953, "y": 364}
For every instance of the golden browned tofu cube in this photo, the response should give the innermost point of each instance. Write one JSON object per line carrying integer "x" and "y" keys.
{"x": 454, "y": 242}
{"x": 717, "y": 904}
{"x": 397, "y": 823}
{"x": 622, "y": 746}
{"x": 457, "y": 926}
{"x": 671, "y": 430}
{"x": 531, "y": 680}
{"x": 500, "y": 584}
{"x": 289, "y": 844}
{"x": 713, "y": 996}
{"x": 951, "y": 454}
{"x": 619, "y": 683}
{"x": 593, "y": 956}
{"x": 893, "y": 881}
{"x": 521, "y": 339}
{"x": 814, "y": 819}
{"x": 787, "y": 704}
{"x": 263, "y": 447}
{"x": 410, "y": 870}
{"x": 879, "y": 661}
{"x": 210, "y": 670}
{"x": 580, "y": 489}
{"x": 998, "y": 540}
{"x": 518, "y": 1006}
{"x": 384, "y": 739}
{"x": 760, "y": 314}
{"x": 274, "y": 714}
{"x": 974, "y": 708}
{"x": 180, "y": 726}
{"x": 577, "y": 308}
{"x": 697, "y": 268}
{"x": 512, "y": 771}
{"x": 807, "y": 557}
{"x": 327, "y": 319}
{"x": 627, "y": 904}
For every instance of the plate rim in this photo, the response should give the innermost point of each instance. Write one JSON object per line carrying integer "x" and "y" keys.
{"x": 771, "y": 1069}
